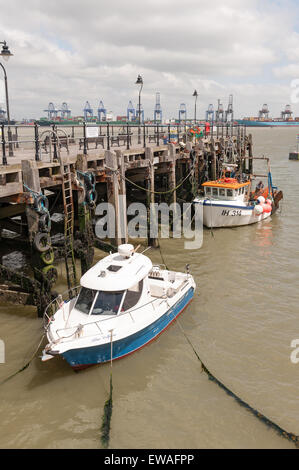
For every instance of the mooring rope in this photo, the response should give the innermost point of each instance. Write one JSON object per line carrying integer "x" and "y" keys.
{"x": 26, "y": 365}
{"x": 287, "y": 435}
{"x": 169, "y": 191}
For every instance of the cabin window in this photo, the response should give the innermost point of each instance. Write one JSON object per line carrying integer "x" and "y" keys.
{"x": 208, "y": 190}
{"x": 107, "y": 303}
{"x": 85, "y": 300}
{"x": 229, "y": 192}
{"x": 132, "y": 296}
{"x": 215, "y": 191}
{"x": 221, "y": 192}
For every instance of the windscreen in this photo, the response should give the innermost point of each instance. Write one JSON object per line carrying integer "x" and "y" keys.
{"x": 107, "y": 303}
{"x": 85, "y": 300}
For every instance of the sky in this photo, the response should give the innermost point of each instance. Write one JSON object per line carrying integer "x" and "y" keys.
{"x": 73, "y": 51}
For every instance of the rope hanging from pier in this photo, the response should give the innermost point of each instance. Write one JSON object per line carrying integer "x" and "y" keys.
{"x": 151, "y": 191}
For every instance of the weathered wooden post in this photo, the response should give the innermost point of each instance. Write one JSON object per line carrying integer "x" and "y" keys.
{"x": 113, "y": 190}
{"x": 122, "y": 220}
{"x": 150, "y": 196}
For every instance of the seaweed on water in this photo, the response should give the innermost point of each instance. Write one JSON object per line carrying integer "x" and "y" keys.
{"x": 106, "y": 419}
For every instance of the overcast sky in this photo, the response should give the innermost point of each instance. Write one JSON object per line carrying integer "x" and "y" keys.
{"x": 73, "y": 51}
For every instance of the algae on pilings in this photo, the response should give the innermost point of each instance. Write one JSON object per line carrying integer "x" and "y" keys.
{"x": 106, "y": 420}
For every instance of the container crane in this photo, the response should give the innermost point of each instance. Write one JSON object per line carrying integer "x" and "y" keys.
{"x": 131, "y": 113}
{"x": 65, "y": 111}
{"x": 220, "y": 112}
{"x": 229, "y": 113}
{"x": 287, "y": 113}
{"x": 158, "y": 109}
{"x": 182, "y": 112}
{"x": 102, "y": 111}
{"x": 264, "y": 112}
{"x": 51, "y": 111}
{"x": 210, "y": 113}
{"x": 88, "y": 111}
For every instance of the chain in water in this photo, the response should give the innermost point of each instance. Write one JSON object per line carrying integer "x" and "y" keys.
{"x": 288, "y": 435}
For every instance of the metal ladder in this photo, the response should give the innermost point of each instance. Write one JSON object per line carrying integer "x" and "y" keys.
{"x": 68, "y": 204}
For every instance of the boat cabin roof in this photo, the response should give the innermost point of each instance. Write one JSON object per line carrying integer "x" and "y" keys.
{"x": 117, "y": 273}
{"x": 230, "y": 183}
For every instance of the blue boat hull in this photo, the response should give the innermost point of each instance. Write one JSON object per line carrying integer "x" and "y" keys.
{"x": 84, "y": 357}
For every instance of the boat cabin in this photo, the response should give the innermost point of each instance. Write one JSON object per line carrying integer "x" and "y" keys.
{"x": 226, "y": 188}
{"x": 115, "y": 284}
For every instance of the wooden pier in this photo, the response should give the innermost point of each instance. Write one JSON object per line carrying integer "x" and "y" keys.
{"x": 65, "y": 173}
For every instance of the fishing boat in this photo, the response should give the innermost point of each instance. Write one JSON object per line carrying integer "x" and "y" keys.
{"x": 123, "y": 303}
{"x": 231, "y": 201}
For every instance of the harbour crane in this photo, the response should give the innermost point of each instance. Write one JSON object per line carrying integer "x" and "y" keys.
{"x": 210, "y": 113}
{"x": 158, "y": 109}
{"x": 51, "y": 111}
{"x": 88, "y": 111}
{"x": 229, "y": 113}
{"x": 65, "y": 111}
{"x": 220, "y": 112}
{"x": 264, "y": 112}
{"x": 131, "y": 113}
{"x": 182, "y": 112}
{"x": 102, "y": 111}
{"x": 287, "y": 112}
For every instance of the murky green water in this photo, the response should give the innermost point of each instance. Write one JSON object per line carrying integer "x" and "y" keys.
{"x": 242, "y": 321}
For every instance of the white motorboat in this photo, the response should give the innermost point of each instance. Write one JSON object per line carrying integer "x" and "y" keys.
{"x": 123, "y": 303}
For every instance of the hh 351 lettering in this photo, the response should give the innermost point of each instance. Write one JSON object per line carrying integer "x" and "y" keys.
{"x": 232, "y": 212}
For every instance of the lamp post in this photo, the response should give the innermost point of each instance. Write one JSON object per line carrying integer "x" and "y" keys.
{"x": 139, "y": 82}
{"x": 196, "y": 95}
{"x": 6, "y": 54}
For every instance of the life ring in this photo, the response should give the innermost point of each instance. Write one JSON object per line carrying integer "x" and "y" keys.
{"x": 89, "y": 180}
{"x": 91, "y": 197}
{"x": 42, "y": 242}
{"x": 51, "y": 273}
{"x": 41, "y": 204}
{"x": 48, "y": 257}
{"x": 44, "y": 223}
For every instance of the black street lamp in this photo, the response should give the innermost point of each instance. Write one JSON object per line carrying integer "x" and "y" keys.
{"x": 196, "y": 95}
{"x": 6, "y": 54}
{"x": 139, "y": 82}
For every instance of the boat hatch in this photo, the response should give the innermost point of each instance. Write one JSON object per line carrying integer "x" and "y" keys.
{"x": 114, "y": 268}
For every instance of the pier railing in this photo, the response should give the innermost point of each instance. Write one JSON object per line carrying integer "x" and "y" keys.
{"x": 44, "y": 142}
